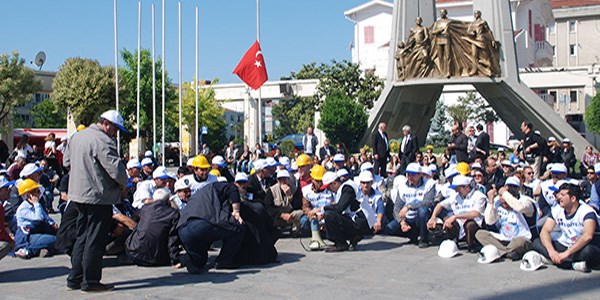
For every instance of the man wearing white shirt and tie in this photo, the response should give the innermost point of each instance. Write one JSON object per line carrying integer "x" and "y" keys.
{"x": 408, "y": 148}
{"x": 381, "y": 150}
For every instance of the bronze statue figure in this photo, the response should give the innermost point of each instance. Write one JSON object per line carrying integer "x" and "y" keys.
{"x": 440, "y": 31}
{"x": 483, "y": 48}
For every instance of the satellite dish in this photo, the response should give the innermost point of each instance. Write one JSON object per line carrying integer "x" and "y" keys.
{"x": 40, "y": 58}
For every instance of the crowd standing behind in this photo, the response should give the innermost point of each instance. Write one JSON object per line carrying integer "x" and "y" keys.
{"x": 524, "y": 203}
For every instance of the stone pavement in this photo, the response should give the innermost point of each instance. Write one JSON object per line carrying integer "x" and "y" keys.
{"x": 381, "y": 268}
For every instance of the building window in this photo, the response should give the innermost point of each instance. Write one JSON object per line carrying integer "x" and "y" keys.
{"x": 572, "y": 50}
{"x": 369, "y": 34}
{"x": 552, "y": 28}
{"x": 553, "y": 96}
{"x": 572, "y": 26}
{"x": 573, "y": 96}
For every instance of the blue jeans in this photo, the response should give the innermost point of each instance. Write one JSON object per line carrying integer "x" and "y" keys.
{"x": 418, "y": 226}
{"x": 38, "y": 242}
{"x": 197, "y": 236}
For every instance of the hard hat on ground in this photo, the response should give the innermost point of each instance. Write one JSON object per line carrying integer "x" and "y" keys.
{"x": 488, "y": 254}
{"x": 448, "y": 249}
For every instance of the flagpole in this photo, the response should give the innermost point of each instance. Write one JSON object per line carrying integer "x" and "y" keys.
{"x": 139, "y": 46}
{"x": 196, "y": 84}
{"x": 162, "y": 145}
{"x": 153, "y": 83}
{"x": 116, "y": 69}
{"x": 260, "y": 88}
{"x": 180, "y": 91}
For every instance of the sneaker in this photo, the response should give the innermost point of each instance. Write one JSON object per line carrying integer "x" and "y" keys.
{"x": 314, "y": 245}
{"x": 581, "y": 266}
{"x": 98, "y": 288}
{"x": 22, "y": 253}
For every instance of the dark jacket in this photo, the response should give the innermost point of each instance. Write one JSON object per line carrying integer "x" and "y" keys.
{"x": 154, "y": 241}
{"x": 380, "y": 147}
{"x": 483, "y": 143}
{"x": 323, "y": 152}
{"x": 410, "y": 150}
{"x": 212, "y": 203}
{"x": 255, "y": 187}
{"x": 460, "y": 142}
{"x": 568, "y": 157}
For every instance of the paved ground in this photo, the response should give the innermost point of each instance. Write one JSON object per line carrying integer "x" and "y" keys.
{"x": 382, "y": 267}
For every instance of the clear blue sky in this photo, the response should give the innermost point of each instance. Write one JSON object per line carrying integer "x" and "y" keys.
{"x": 293, "y": 33}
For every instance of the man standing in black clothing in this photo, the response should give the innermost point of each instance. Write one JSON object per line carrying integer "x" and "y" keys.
{"x": 381, "y": 149}
{"x": 408, "y": 148}
{"x": 458, "y": 144}
{"x": 482, "y": 145}
{"x": 532, "y": 147}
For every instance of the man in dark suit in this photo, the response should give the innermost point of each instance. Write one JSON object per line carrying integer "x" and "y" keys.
{"x": 326, "y": 150}
{"x": 408, "y": 148}
{"x": 381, "y": 149}
{"x": 482, "y": 145}
{"x": 458, "y": 145}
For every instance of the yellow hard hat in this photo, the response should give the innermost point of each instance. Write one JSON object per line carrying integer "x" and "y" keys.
{"x": 215, "y": 172}
{"x": 200, "y": 161}
{"x": 80, "y": 127}
{"x": 317, "y": 172}
{"x": 27, "y": 186}
{"x": 463, "y": 168}
{"x": 303, "y": 160}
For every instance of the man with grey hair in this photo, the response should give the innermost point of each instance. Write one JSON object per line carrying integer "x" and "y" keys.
{"x": 381, "y": 149}
{"x": 408, "y": 148}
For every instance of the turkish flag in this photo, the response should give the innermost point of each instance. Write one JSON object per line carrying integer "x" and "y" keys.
{"x": 252, "y": 69}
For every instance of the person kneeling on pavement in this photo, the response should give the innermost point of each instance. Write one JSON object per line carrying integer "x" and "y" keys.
{"x": 467, "y": 206}
{"x": 154, "y": 241}
{"x": 578, "y": 245}
{"x": 343, "y": 220}
{"x": 36, "y": 230}
{"x": 212, "y": 214}
{"x": 284, "y": 203}
{"x": 508, "y": 210}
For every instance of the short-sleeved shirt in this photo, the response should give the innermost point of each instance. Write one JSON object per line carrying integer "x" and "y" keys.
{"x": 571, "y": 227}
{"x": 474, "y": 201}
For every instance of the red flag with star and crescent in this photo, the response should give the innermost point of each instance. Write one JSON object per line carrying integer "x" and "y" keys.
{"x": 252, "y": 69}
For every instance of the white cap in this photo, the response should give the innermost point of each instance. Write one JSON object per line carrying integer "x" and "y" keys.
{"x": 501, "y": 149}
{"x": 284, "y": 161}
{"x": 339, "y": 158}
{"x": 241, "y": 177}
{"x": 5, "y": 182}
{"x": 189, "y": 162}
{"x": 219, "y": 161}
{"x": 341, "y": 172}
{"x": 531, "y": 261}
{"x": 366, "y": 166}
{"x": 161, "y": 173}
{"x": 365, "y": 176}
{"x": 328, "y": 178}
{"x": 271, "y": 162}
{"x": 513, "y": 181}
{"x": 558, "y": 184}
{"x": 559, "y": 168}
{"x": 283, "y": 174}
{"x": 488, "y": 254}
{"x": 147, "y": 161}
{"x": 29, "y": 169}
{"x": 221, "y": 179}
{"x": 114, "y": 117}
{"x": 182, "y": 184}
{"x": 460, "y": 180}
{"x": 413, "y": 168}
{"x": 448, "y": 249}
{"x": 450, "y": 171}
{"x": 134, "y": 163}
{"x": 259, "y": 164}
{"x": 507, "y": 163}
{"x": 476, "y": 166}
{"x": 597, "y": 168}
{"x": 551, "y": 139}
{"x": 148, "y": 153}
{"x": 566, "y": 140}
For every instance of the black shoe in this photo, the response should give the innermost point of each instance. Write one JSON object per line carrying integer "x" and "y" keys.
{"x": 423, "y": 244}
{"x": 189, "y": 265}
{"x": 514, "y": 256}
{"x": 474, "y": 249}
{"x": 98, "y": 288}
{"x": 73, "y": 286}
{"x": 226, "y": 266}
{"x": 354, "y": 241}
{"x": 337, "y": 248}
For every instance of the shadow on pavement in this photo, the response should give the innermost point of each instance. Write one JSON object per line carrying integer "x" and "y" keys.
{"x": 180, "y": 278}
{"x": 32, "y": 274}
{"x": 561, "y": 289}
{"x": 378, "y": 246}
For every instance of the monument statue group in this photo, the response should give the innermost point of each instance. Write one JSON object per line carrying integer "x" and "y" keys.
{"x": 449, "y": 48}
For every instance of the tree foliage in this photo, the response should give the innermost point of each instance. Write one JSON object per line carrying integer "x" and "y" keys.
{"x": 472, "y": 108}
{"x": 343, "y": 120}
{"x": 85, "y": 87}
{"x": 592, "y": 115}
{"x": 46, "y": 115}
{"x": 210, "y": 114}
{"x": 439, "y": 136}
{"x": 17, "y": 83}
{"x": 294, "y": 115}
{"x": 128, "y": 100}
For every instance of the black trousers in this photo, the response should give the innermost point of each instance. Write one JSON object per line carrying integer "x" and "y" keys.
{"x": 93, "y": 228}
{"x": 341, "y": 228}
{"x": 380, "y": 166}
{"x": 590, "y": 254}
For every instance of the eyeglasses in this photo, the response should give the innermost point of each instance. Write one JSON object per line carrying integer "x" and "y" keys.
{"x": 528, "y": 173}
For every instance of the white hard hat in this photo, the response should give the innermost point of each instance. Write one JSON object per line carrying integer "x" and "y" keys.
{"x": 531, "y": 261}
{"x": 488, "y": 254}
{"x": 448, "y": 249}
{"x": 182, "y": 184}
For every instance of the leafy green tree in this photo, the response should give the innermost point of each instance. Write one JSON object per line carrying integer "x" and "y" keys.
{"x": 128, "y": 100}
{"x": 46, "y": 115}
{"x": 343, "y": 120}
{"x": 438, "y": 135}
{"x": 294, "y": 115}
{"x": 472, "y": 108}
{"x": 17, "y": 83}
{"x": 210, "y": 114}
{"x": 84, "y": 87}
{"x": 592, "y": 115}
